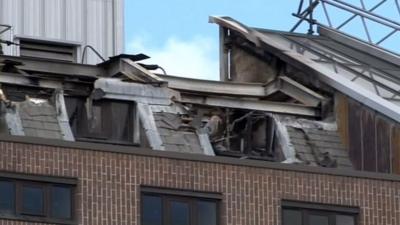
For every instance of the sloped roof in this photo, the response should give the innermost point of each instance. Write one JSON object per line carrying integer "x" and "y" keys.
{"x": 361, "y": 71}
{"x": 319, "y": 147}
{"x": 176, "y": 135}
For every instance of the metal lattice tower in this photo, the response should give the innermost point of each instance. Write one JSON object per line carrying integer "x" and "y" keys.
{"x": 367, "y": 15}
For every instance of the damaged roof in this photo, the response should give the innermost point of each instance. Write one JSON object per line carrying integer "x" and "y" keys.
{"x": 281, "y": 119}
{"x": 364, "y": 72}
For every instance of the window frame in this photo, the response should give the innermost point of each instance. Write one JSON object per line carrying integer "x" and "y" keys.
{"x": 168, "y": 195}
{"x": 15, "y": 194}
{"x": 20, "y": 200}
{"x": 330, "y": 211}
{"x": 45, "y": 217}
{"x": 81, "y": 129}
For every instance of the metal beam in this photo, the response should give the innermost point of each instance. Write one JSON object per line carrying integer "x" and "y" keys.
{"x": 137, "y": 70}
{"x": 295, "y": 90}
{"x": 56, "y": 67}
{"x": 131, "y": 70}
{"x": 373, "y": 50}
{"x": 341, "y": 84}
{"x": 266, "y": 106}
{"x": 17, "y": 79}
{"x": 223, "y": 55}
{"x": 215, "y": 87}
{"x": 230, "y": 23}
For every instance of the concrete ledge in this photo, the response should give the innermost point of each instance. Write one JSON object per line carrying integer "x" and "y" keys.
{"x": 38, "y": 178}
{"x": 199, "y": 158}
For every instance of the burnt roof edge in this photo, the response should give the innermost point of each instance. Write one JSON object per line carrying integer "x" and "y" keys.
{"x": 342, "y": 85}
{"x": 199, "y": 158}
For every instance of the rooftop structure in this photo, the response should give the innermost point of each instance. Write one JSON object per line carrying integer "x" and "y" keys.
{"x": 61, "y": 29}
{"x": 302, "y": 129}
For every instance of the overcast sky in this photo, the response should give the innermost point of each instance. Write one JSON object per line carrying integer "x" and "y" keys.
{"x": 177, "y": 35}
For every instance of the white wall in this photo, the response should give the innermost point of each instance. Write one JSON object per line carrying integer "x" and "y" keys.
{"x": 99, "y": 23}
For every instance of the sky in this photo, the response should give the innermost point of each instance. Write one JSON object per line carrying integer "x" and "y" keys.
{"x": 177, "y": 36}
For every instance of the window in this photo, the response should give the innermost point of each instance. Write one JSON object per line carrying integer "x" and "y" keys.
{"x": 109, "y": 121}
{"x": 173, "y": 207}
{"x": 7, "y": 193}
{"x": 54, "y": 50}
{"x": 32, "y": 199}
{"x": 36, "y": 201}
{"x": 298, "y": 213}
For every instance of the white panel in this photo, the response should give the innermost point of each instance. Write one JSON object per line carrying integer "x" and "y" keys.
{"x": 11, "y": 12}
{"x": 95, "y": 22}
{"x": 109, "y": 25}
{"x": 96, "y": 31}
{"x": 92, "y": 20}
{"x": 119, "y": 23}
{"x": 53, "y": 19}
{"x": 31, "y": 17}
{"x": 74, "y": 19}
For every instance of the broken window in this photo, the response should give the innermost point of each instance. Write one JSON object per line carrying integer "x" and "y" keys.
{"x": 242, "y": 133}
{"x": 103, "y": 120}
{"x": 298, "y": 213}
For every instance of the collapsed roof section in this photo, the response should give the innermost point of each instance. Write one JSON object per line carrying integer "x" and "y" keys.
{"x": 361, "y": 71}
{"x": 277, "y": 101}
{"x": 358, "y": 81}
{"x": 120, "y": 102}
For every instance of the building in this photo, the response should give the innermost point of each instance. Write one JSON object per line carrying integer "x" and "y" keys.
{"x": 60, "y": 29}
{"x": 301, "y": 130}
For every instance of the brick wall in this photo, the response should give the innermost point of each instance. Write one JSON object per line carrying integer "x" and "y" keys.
{"x": 108, "y": 185}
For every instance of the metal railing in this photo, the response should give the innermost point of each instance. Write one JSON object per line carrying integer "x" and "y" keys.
{"x": 307, "y": 14}
{"x": 4, "y": 28}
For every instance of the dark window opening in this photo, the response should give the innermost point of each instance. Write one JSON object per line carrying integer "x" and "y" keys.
{"x": 174, "y": 209}
{"x": 61, "y": 202}
{"x": 7, "y": 200}
{"x": 110, "y": 121}
{"x": 297, "y": 213}
{"x": 18, "y": 93}
{"x": 32, "y": 200}
{"x": 206, "y": 213}
{"x": 151, "y": 210}
{"x": 179, "y": 212}
{"x": 243, "y": 133}
{"x": 35, "y": 201}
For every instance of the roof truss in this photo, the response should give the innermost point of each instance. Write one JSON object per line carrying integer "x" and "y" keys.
{"x": 295, "y": 90}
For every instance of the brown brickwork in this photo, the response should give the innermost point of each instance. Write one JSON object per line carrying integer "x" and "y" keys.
{"x": 108, "y": 185}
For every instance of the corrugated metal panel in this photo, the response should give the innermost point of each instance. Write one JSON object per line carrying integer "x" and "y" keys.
{"x": 396, "y": 149}
{"x": 355, "y": 135}
{"x": 373, "y": 140}
{"x": 94, "y": 22}
{"x": 342, "y": 118}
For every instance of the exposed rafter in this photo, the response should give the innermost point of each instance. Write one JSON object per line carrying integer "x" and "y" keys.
{"x": 237, "y": 103}
{"x": 295, "y": 90}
